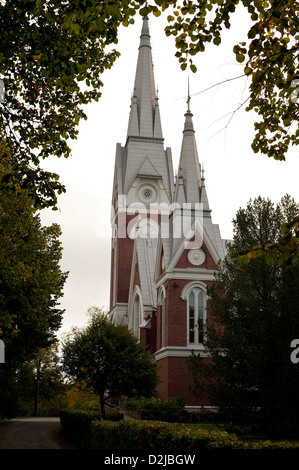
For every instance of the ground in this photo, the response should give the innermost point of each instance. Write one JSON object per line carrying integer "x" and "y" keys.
{"x": 29, "y": 433}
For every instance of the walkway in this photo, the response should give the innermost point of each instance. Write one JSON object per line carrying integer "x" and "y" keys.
{"x": 29, "y": 433}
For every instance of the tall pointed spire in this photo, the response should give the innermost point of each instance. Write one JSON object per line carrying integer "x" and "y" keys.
{"x": 145, "y": 114}
{"x": 189, "y": 167}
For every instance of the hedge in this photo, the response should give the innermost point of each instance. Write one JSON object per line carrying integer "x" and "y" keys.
{"x": 76, "y": 426}
{"x": 172, "y": 409}
{"x": 86, "y": 430}
{"x": 157, "y": 435}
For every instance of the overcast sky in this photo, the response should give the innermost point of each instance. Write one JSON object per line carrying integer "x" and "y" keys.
{"x": 233, "y": 173}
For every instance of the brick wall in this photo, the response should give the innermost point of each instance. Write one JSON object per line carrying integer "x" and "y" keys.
{"x": 175, "y": 379}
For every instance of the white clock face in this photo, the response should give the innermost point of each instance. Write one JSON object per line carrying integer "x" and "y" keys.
{"x": 147, "y": 193}
{"x": 196, "y": 257}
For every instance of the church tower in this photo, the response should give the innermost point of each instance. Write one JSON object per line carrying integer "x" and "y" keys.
{"x": 143, "y": 178}
{"x": 165, "y": 247}
{"x": 186, "y": 263}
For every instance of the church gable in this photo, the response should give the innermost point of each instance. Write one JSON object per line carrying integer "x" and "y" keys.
{"x": 147, "y": 170}
{"x": 196, "y": 258}
{"x": 195, "y": 250}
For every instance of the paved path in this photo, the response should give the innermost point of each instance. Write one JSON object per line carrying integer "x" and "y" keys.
{"x": 29, "y": 433}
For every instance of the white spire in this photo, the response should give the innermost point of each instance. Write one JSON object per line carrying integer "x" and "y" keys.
{"x": 143, "y": 154}
{"x": 189, "y": 165}
{"x": 145, "y": 116}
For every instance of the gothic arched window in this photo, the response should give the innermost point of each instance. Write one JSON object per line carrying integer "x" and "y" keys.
{"x": 161, "y": 301}
{"x": 196, "y": 316}
{"x": 196, "y": 313}
{"x": 135, "y": 311}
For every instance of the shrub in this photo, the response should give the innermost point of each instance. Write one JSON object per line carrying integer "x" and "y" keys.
{"x": 170, "y": 410}
{"x": 86, "y": 430}
{"x": 156, "y": 435}
{"x": 76, "y": 427}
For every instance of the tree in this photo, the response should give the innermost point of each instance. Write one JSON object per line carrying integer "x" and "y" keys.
{"x": 270, "y": 55}
{"x": 109, "y": 359}
{"x": 31, "y": 283}
{"x": 52, "y": 55}
{"x": 285, "y": 250}
{"x": 50, "y": 388}
{"x": 254, "y": 318}
{"x": 39, "y": 387}
{"x": 31, "y": 279}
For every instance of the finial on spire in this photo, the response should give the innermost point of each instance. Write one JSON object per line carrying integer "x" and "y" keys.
{"x": 202, "y": 175}
{"x": 189, "y": 98}
{"x": 157, "y": 93}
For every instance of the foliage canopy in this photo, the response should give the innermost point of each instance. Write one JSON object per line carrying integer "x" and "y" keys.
{"x": 270, "y": 55}
{"x": 52, "y": 55}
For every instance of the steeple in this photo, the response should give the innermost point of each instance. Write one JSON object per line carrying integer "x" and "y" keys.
{"x": 144, "y": 118}
{"x": 143, "y": 155}
{"x": 189, "y": 172}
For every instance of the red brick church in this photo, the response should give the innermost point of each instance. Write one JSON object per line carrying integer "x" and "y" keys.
{"x": 165, "y": 247}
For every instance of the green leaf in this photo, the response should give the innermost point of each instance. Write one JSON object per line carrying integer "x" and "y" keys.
{"x": 240, "y": 57}
{"x": 217, "y": 41}
{"x": 144, "y": 11}
{"x": 244, "y": 260}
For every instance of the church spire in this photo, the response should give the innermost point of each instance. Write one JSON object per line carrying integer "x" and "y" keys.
{"x": 189, "y": 167}
{"x": 144, "y": 118}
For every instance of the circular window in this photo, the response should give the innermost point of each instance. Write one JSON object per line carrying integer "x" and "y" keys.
{"x": 147, "y": 193}
{"x": 196, "y": 257}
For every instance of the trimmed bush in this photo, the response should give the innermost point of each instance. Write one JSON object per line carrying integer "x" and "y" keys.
{"x": 76, "y": 427}
{"x": 86, "y": 431}
{"x": 170, "y": 410}
{"x": 156, "y": 435}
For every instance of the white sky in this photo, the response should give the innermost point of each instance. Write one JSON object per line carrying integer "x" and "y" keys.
{"x": 233, "y": 173}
